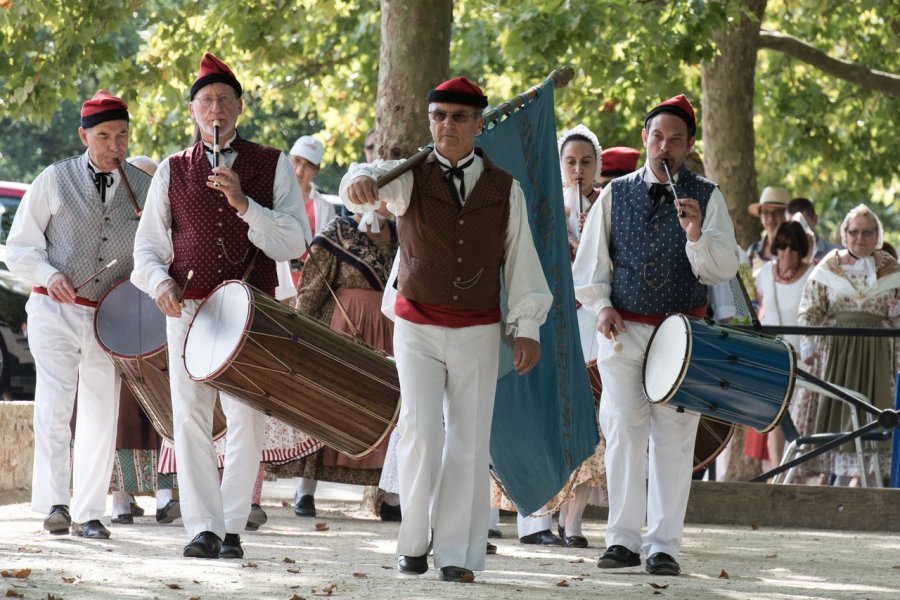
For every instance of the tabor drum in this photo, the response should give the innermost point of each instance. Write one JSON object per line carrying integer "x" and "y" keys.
{"x": 132, "y": 330}
{"x": 295, "y": 368}
{"x": 724, "y": 373}
{"x": 712, "y": 435}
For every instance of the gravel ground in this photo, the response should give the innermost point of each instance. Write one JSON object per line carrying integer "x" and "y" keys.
{"x": 343, "y": 553}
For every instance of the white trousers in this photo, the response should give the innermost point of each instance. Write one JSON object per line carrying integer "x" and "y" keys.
{"x": 631, "y": 425}
{"x": 448, "y": 378}
{"x": 205, "y": 504}
{"x": 67, "y": 360}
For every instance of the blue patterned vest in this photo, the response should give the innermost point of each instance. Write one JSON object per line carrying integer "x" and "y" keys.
{"x": 651, "y": 272}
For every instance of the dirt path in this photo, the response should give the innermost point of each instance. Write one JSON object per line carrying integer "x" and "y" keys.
{"x": 354, "y": 558}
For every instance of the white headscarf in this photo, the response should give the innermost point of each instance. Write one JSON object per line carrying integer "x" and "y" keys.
{"x": 868, "y": 261}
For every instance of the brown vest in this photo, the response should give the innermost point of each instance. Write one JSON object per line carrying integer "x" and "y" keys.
{"x": 451, "y": 255}
{"x": 208, "y": 236}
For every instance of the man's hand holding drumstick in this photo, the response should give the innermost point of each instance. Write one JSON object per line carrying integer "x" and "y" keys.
{"x": 609, "y": 323}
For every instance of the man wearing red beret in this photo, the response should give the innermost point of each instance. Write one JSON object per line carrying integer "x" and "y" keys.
{"x": 210, "y": 220}
{"x": 666, "y": 251}
{"x": 76, "y": 218}
{"x": 450, "y": 208}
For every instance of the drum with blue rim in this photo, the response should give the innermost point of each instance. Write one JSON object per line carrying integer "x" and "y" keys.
{"x": 723, "y": 373}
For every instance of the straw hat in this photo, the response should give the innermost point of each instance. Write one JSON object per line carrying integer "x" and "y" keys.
{"x": 772, "y": 196}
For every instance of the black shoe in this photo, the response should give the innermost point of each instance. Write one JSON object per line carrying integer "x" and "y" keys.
{"x": 575, "y": 541}
{"x": 459, "y": 574}
{"x": 231, "y": 546}
{"x": 660, "y": 563}
{"x": 542, "y": 538}
{"x": 305, "y": 507}
{"x": 136, "y": 510}
{"x": 125, "y": 519}
{"x": 390, "y": 512}
{"x": 169, "y": 512}
{"x": 257, "y": 517}
{"x": 491, "y": 549}
{"x": 495, "y": 533}
{"x": 58, "y": 521}
{"x": 205, "y": 544}
{"x": 93, "y": 529}
{"x": 413, "y": 565}
{"x": 617, "y": 557}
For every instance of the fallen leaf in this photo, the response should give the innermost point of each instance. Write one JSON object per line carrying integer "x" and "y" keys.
{"x": 17, "y": 573}
{"x": 724, "y": 575}
{"x": 754, "y": 526}
{"x": 294, "y": 571}
{"x": 577, "y": 560}
{"x": 194, "y": 598}
{"x": 289, "y": 561}
{"x": 322, "y": 527}
{"x": 659, "y": 586}
{"x": 296, "y": 597}
{"x": 771, "y": 556}
{"x": 285, "y": 504}
{"x": 360, "y": 575}
{"x": 466, "y": 578}
{"x": 173, "y": 586}
{"x": 578, "y": 579}
{"x": 14, "y": 594}
{"x": 68, "y": 580}
{"x": 54, "y": 597}
{"x": 248, "y": 565}
{"x": 23, "y": 550}
{"x": 562, "y": 583}
{"x": 896, "y": 567}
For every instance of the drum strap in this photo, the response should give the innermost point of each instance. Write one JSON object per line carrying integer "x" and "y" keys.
{"x": 311, "y": 258}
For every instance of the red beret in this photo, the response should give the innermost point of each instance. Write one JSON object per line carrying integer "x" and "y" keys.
{"x": 213, "y": 70}
{"x": 618, "y": 160}
{"x": 679, "y": 106}
{"x": 103, "y": 107}
{"x": 458, "y": 90}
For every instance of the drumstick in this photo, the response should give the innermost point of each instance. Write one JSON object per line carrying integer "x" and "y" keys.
{"x": 617, "y": 345}
{"x": 190, "y": 275}
{"x": 88, "y": 280}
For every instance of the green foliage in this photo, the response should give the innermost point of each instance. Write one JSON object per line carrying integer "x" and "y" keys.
{"x": 310, "y": 67}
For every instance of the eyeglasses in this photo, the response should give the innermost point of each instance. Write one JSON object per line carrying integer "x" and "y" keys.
{"x": 439, "y": 116}
{"x": 771, "y": 213}
{"x": 857, "y": 233}
{"x": 207, "y": 102}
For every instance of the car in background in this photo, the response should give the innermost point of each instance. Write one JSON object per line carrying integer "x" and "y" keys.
{"x": 17, "y": 374}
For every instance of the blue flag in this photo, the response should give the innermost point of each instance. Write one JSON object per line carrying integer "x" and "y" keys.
{"x": 544, "y": 422}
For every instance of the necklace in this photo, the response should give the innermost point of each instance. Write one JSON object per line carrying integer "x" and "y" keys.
{"x": 784, "y": 276}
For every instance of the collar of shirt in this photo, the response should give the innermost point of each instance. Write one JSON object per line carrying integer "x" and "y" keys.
{"x": 91, "y": 166}
{"x": 650, "y": 176}
{"x": 224, "y": 159}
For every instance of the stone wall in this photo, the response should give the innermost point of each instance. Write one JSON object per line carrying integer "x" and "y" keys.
{"x": 16, "y": 450}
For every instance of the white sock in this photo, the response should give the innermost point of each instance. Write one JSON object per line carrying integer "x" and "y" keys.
{"x": 391, "y": 499}
{"x": 306, "y": 487}
{"x": 121, "y": 503}
{"x": 575, "y": 510}
{"x": 162, "y": 497}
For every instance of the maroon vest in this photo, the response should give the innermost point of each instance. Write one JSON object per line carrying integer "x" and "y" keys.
{"x": 451, "y": 255}
{"x": 208, "y": 236}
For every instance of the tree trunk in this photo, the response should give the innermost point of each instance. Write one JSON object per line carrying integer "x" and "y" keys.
{"x": 415, "y": 57}
{"x": 728, "y": 138}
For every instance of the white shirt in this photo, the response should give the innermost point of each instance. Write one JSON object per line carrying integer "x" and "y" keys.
{"x": 528, "y": 296}
{"x": 279, "y": 232}
{"x": 713, "y": 257}
{"x": 26, "y": 246}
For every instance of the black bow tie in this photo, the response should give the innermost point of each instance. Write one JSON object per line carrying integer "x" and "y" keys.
{"x": 209, "y": 150}
{"x": 457, "y": 172}
{"x": 102, "y": 181}
{"x": 659, "y": 193}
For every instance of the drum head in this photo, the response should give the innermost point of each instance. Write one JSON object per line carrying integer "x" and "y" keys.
{"x": 667, "y": 358}
{"x": 127, "y": 322}
{"x": 217, "y": 330}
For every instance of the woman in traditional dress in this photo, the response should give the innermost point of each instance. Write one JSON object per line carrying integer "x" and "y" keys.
{"x": 779, "y": 286}
{"x": 354, "y": 256}
{"x": 858, "y": 286}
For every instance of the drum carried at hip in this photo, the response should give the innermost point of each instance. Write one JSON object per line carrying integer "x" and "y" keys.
{"x": 132, "y": 330}
{"x": 720, "y": 372}
{"x": 290, "y": 366}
